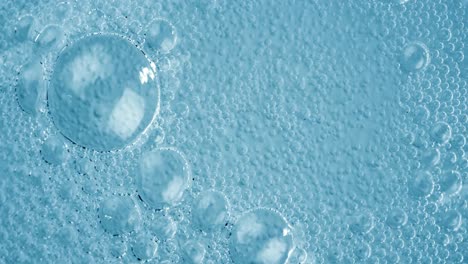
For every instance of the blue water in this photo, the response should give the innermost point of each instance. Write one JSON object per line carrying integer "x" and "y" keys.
{"x": 221, "y": 131}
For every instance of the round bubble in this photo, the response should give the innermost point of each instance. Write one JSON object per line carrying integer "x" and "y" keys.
{"x": 450, "y": 220}
{"x": 144, "y": 247}
{"x": 163, "y": 177}
{"x": 194, "y": 252}
{"x": 362, "y": 223}
{"x": 54, "y": 150}
{"x": 51, "y": 37}
{"x": 31, "y": 86}
{"x": 451, "y": 183}
{"x": 119, "y": 215}
{"x": 421, "y": 185}
{"x": 210, "y": 211}
{"x": 441, "y": 133}
{"x": 415, "y": 57}
{"x": 298, "y": 256}
{"x": 397, "y": 218}
{"x": 430, "y": 157}
{"x": 103, "y": 92}
{"x": 261, "y": 236}
{"x": 160, "y": 36}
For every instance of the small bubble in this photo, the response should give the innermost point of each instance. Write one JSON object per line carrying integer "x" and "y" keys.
{"x": 362, "y": 223}
{"x": 119, "y": 215}
{"x": 23, "y": 29}
{"x": 397, "y": 218}
{"x": 51, "y": 37}
{"x": 430, "y": 158}
{"x": 163, "y": 177}
{"x": 261, "y": 236}
{"x": 31, "y": 88}
{"x": 298, "y": 256}
{"x": 144, "y": 247}
{"x": 210, "y": 211}
{"x": 421, "y": 185}
{"x": 362, "y": 250}
{"x": 194, "y": 252}
{"x": 451, "y": 183}
{"x": 415, "y": 57}
{"x": 54, "y": 150}
{"x": 160, "y": 36}
{"x": 441, "y": 133}
{"x": 450, "y": 220}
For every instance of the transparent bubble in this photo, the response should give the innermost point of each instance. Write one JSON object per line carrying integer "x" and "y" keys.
{"x": 194, "y": 252}
{"x": 144, "y": 247}
{"x": 451, "y": 183}
{"x": 261, "y": 236}
{"x": 119, "y": 215}
{"x": 160, "y": 36}
{"x": 430, "y": 157}
{"x": 210, "y": 211}
{"x": 31, "y": 88}
{"x": 298, "y": 256}
{"x": 54, "y": 150}
{"x": 163, "y": 177}
{"x": 361, "y": 223}
{"x": 450, "y": 220}
{"x": 118, "y": 249}
{"x": 162, "y": 226}
{"x": 23, "y": 29}
{"x": 415, "y": 57}
{"x": 103, "y": 92}
{"x": 441, "y": 133}
{"x": 421, "y": 185}
{"x": 51, "y": 37}
{"x": 397, "y": 218}
{"x": 362, "y": 250}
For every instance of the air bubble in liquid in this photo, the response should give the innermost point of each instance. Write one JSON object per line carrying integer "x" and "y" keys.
{"x": 119, "y": 215}
{"x": 160, "y": 36}
{"x": 421, "y": 184}
{"x": 210, "y": 211}
{"x": 194, "y": 252}
{"x": 54, "y": 150}
{"x": 51, "y": 37}
{"x": 30, "y": 87}
{"x": 103, "y": 92}
{"x": 261, "y": 236}
{"x": 144, "y": 247}
{"x": 362, "y": 223}
{"x": 415, "y": 57}
{"x": 441, "y": 133}
{"x": 397, "y": 218}
{"x": 163, "y": 177}
{"x": 450, "y": 220}
{"x": 450, "y": 182}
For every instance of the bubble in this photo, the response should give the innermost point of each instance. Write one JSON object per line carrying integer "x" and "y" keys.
{"x": 160, "y": 36}
{"x": 210, "y": 211}
{"x": 298, "y": 256}
{"x": 451, "y": 183}
{"x": 450, "y": 220}
{"x": 441, "y": 133}
{"x": 23, "y": 29}
{"x": 430, "y": 158}
{"x": 163, "y": 227}
{"x": 103, "y": 92}
{"x": 194, "y": 252}
{"x": 54, "y": 150}
{"x": 119, "y": 215}
{"x": 362, "y": 223}
{"x": 261, "y": 236}
{"x": 144, "y": 247}
{"x": 163, "y": 177}
{"x": 415, "y": 57}
{"x": 397, "y": 218}
{"x": 118, "y": 249}
{"x": 30, "y": 86}
{"x": 51, "y": 37}
{"x": 362, "y": 250}
{"x": 422, "y": 185}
